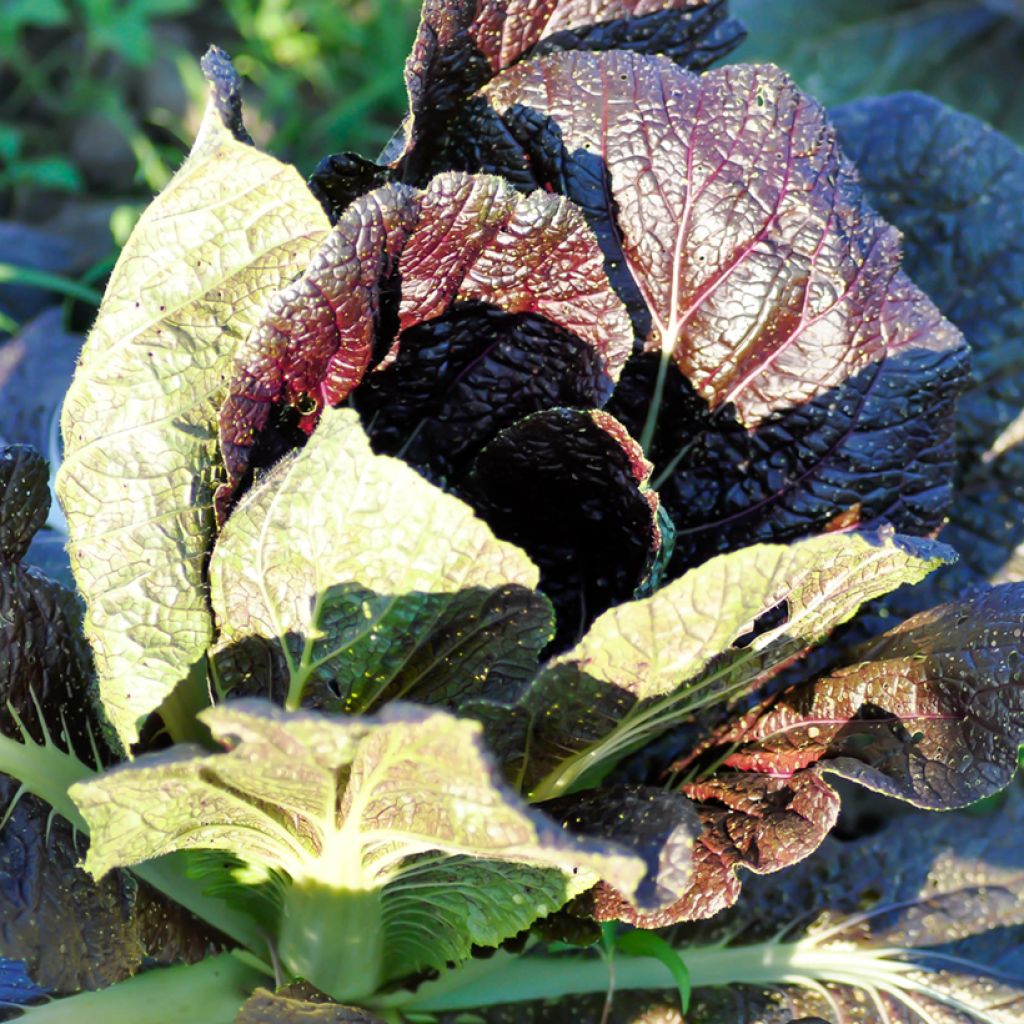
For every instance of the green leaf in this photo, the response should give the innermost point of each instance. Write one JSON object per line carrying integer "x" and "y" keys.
{"x": 24, "y": 499}
{"x": 345, "y": 812}
{"x": 347, "y": 579}
{"x": 211, "y": 991}
{"x": 837, "y": 50}
{"x": 647, "y": 665}
{"x": 140, "y": 420}
{"x": 639, "y": 943}
{"x": 434, "y": 914}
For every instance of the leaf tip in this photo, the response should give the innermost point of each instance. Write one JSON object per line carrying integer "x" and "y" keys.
{"x": 225, "y": 91}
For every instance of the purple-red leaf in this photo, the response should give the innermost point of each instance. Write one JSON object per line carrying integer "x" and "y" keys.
{"x": 461, "y": 44}
{"x": 762, "y": 823}
{"x": 480, "y": 305}
{"x": 933, "y": 714}
{"x": 570, "y": 488}
{"x": 810, "y": 383}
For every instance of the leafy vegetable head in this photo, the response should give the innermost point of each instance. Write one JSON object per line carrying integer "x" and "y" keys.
{"x": 494, "y": 495}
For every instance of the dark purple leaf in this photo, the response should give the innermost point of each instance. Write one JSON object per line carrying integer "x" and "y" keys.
{"x": 762, "y": 823}
{"x": 479, "y": 305}
{"x": 932, "y": 714}
{"x": 72, "y": 932}
{"x": 570, "y": 488}
{"x": 24, "y": 499}
{"x": 811, "y": 384}
{"x": 44, "y": 661}
{"x": 658, "y": 824}
{"x": 338, "y": 180}
{"x": 955, "y": 188}
{"x": 462, "y": 44}
{"x": 461, "y": 377}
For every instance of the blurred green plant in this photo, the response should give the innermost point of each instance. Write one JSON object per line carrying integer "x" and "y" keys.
{"x": 69, "y": 68}
{"x": 347, "y": 55}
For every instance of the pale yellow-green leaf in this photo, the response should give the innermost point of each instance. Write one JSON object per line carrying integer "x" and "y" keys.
{"x": 140, "y": 420}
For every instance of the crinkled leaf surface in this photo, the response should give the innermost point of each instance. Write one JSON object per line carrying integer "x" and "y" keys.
{"x": 347, "y": 580}
{"x": 487, "y": 305}
{"x": 649, "y": 664}
{"x": 759, "y": 822}
{"x": 413, "y": 776}
{"x": 933, "y": 714}
{"x": 24, "y": 499}
{"x": 570, "y": 487}
{"x": 72, "y": 932}
{"x": 140, "y": 420}
{"x": 810, "y": 383}
{"x": 966, "y": 53}
{"x": 461, "y": 44}
{"x": 955, "y": 188}
{"x": 344, "y": 803}
{"x": 470, "y": 901}
{"x": 45, "y": 683}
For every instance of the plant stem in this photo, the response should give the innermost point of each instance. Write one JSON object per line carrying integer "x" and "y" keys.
{"x": 180, "y": 710}
{"x": 47, "y": 772}
{"x": 333, "y": 938}
{"x": 511, "y": 979}
{"x": 211, "y": 991}
{"x": 169, "y": 874}
{"x": 651, "y": 423}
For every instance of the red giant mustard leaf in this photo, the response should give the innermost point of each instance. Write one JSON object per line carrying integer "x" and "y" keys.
{"x": 463, "y": 43}
{"x": 477, "y": 304}
{"x": 932, "y": 714}
{"x": 794, "y": 379}
{"x": 748, "y": 820}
